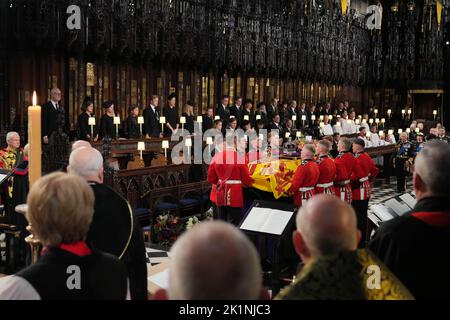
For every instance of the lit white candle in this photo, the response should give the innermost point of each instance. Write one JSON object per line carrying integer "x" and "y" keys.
{"x": 258, "y": 117}
{"x": 383, "y": 120}
{"x": 349, "y": 121}
{"x": 162, "y": 121}
{"x": 287, "y": 135}
{"x": 377, "y": 121}
{"x": 313, "y": 117}
{"x": 294, "y": 118}
{"x": 417, "y": 130}
{"x": 357, "y": 121}
{"x": 330, "y": 117}
{"x": 182, "y": 121}
{"x": 380, "y": 133}
{"x": 165, "y": 146}
{"x": 117, "y": 122}
{"x": 389, "y": 112}
{"x": 35, "y": 141}
{"x": 338, "y": 124}
{"x": 400, "y": 131}
{"x": 391, "y": 132}
{"x": 92, "y": 124}
{"x": 141, "y": 147}
{"x": 188, "y": 142}
{"x": 216, "y": 118}
{"x": 140, "y": 121}
{"x": 200, "y": 119}
{"x": 246, "y": 117}
{"x": 370, "y": 121}
{"x": 303, "y": 118}
{"x": 408, "y": 130}
{"x": 209, "y": 140}
{"x": 298, "y": 134}
{"x": 367, "y": 135}
{"x": 322, "y": 124}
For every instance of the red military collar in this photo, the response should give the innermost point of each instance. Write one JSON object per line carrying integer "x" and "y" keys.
{"x": 434, "y": 218}
{"x": 80, "y": 249}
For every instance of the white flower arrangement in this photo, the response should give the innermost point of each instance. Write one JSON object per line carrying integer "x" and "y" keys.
{"x": 191, "y": 223}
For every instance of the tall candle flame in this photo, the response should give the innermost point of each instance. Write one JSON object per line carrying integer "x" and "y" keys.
{"x": 34, "y": 99}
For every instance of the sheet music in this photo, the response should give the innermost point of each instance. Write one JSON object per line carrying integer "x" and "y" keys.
{"x": 398, "y": 208}
{"x": 267, "y": 220}
{"x": 374, "y": 219}
{"x": 2, "y": 177}
{"x": 161, "y": 279}
{"x": 409, "y": 200}
{"x": 381, "y": 212}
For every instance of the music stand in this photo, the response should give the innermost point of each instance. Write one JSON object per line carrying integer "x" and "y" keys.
{"x": 264, "y": 222}
{"x": 4, "y": 175}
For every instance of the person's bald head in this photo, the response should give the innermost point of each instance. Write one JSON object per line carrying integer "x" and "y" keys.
{"x": 80, "y": 144}
{"x": 214, "y": 261}
{"x": 86, "y": 163}
{"x": 325, "y": 225}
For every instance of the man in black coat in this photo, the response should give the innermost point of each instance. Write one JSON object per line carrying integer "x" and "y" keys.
{"x": 114, "y": 228}
{"x": 416, "y": 245}
{"x": 235, "y": 110}
{"x": 52, "y": 115}
{"x": 223, "y": 111}
{"x": 152, "y": 127}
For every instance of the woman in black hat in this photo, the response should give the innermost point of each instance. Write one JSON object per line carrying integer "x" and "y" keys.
{"x": 107, "y": 121}
{"x": 84, "y": 131}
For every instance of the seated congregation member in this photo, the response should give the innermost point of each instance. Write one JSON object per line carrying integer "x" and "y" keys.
{"x": 214, "y": 261}
{"x": 326, "y": 240}
{"x": 10, "y": 157}
{"x": 416, "y": 245}
{"x": 133, "y": 129}
{"x": 305, "y": 177}
{"x": 189, "y": 116}
{"x": 83, "y": 128}
{"x": 275, "y": 124}
{"x": 344, "y": 162}
{"x": 327, "y": 168}
{"x": 114, "y": 228}
{"x": 107, "y": 129}
{"x": 228, "y": 173}
{"x": 363, "y": 172}
{"x": 60, "y": 208}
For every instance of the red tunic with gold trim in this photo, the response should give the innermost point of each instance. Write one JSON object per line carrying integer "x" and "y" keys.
{"x": 227, "y": 173}
{"x": 345, "y": 163}
{"x": 363, "y": 170}
{"x": 304, "y": 181}
{"x": 327, "y": 174}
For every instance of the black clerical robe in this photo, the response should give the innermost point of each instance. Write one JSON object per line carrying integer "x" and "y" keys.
{"x": 115, "y": 230}
{"x": 416, "y": 247}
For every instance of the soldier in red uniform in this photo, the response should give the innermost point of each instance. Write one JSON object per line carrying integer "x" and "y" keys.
{"x": 327, "y": 169}
{"x": 305, "y": 177}
{"x": 363, "y": 171}
{"x": 228, "y": 173}
{"x": 345, "y": 161}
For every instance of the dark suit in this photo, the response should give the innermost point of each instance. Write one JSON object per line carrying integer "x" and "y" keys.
{"x": 274, "y": 126}
{"x": 271, "y": 110}
{"x": 151, "y": 122}
{"x": 224, "y": 115}
{"x": 208, "y": 123}
{"x": 234, "y": 111}
{"x": 50, "y": 118}
{"x": 83, "y": 130}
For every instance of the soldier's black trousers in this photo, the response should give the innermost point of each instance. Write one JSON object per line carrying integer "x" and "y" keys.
{"x": 400, "y": 174}
{"x": 360, "y": 207}
{"x": 230, "y": 214}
